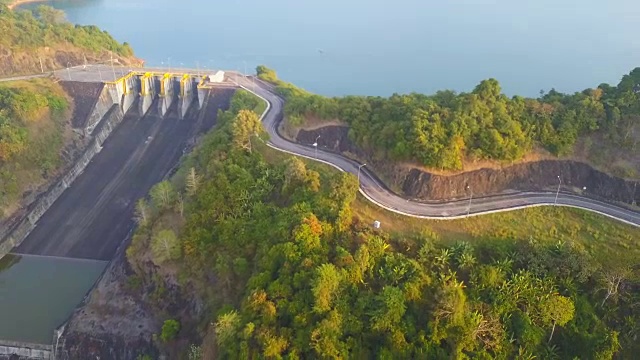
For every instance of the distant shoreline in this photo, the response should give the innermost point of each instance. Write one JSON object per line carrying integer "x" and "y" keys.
{"x": 22, "y": 2}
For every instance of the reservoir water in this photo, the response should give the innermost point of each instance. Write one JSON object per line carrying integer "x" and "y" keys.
{"x": 37, "y": 294}
{"x": 378, "y": 47}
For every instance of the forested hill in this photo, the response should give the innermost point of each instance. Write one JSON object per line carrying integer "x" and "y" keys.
{"x": 446, "y": 130}
{"x": 44, "y": 36}
{"x": 266, "y": 250}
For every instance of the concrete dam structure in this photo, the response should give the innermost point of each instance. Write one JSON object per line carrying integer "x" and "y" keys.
{"x": 115, "y": 100}
{"x": 137, "y": 130}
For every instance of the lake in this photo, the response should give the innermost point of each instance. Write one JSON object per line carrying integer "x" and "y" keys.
{"x": 37, "y": 294}
{"x": 375, "y": 47}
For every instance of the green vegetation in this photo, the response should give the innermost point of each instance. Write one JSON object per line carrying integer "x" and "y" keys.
{"x": 45, "y": 35}
{"x": 170, "y": 329}
{"x": 32, "y": 133}
{"x": 287, "y": 271}
{"x": 446, "y": 129}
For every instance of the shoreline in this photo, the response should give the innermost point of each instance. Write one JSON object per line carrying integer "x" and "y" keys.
{"x": 17, "y": 3}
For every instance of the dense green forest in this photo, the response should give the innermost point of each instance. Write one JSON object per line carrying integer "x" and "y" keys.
{"x": 44, "y": 34}
{"x": 445, "y": 129}
{"x": 33, "y": 117}
{"x": 287, "y": 272}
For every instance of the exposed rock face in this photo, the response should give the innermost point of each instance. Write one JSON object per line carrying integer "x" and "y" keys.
{"x": 112, "y": 324}
{"x": 538, "y": 175}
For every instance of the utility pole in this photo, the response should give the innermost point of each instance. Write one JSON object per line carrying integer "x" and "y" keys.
{"x": 113, "y": 67}
{"x": 558, "y": 192}
{"x": 68, "y": 71}
{"x": 360, "y": 167}
{"x": 41, "y": 67}
{"x": 470, "y": 198}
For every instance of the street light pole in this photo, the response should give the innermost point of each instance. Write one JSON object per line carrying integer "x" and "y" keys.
{"x": 68, "y": 71}
{"x": 558, "y": 192}
{"x": 470, "y": 198}
{"x": 315, "y": 144}
{"x": 360, "y": 167}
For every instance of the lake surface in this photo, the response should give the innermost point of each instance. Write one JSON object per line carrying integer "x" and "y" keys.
{"x": 37, "y": 294}
{"x": 378, "y": 47}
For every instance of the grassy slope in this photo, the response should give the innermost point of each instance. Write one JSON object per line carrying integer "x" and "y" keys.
{"x": 46, "y": 125}
{"x": 607, "y": 240}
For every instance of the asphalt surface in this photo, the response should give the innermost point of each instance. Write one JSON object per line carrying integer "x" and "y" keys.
{"x": 373, "y": 189}
{"x": 95, "y": 214}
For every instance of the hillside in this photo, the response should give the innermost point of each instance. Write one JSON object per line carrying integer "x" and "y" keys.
{"x": 247, "y": 252}
{"x": 448, "y": 132}
{"x": 34, "y": 130}
{"x": 42, "y": 40}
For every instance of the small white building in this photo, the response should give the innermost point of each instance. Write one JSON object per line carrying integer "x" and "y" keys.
{"x": 376, "y": 224}
{"x": 217, "y": 77}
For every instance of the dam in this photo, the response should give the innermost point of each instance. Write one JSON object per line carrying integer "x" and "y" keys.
{"x": 137, "y": 126}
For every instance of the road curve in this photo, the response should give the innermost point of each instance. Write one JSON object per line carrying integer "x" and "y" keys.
{"x": 375, "y": 191}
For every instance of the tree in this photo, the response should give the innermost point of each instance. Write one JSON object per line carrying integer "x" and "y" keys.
{"x": 49, "y": 15}
{"x": 556, "y": 310}
{"x": 165, "y": 247}
{"x": 611, "y": 280}
{"x": 391, "y": 307}
{"x": 192, "y": 182}
{"x": 295, "y": 172}
{"x": 162, "y": 195}
{"x": 170, "y": 329}
{"x": 245, "y": 124}
{"x": 325, "y": 288}
{"x": 142, "y": 212}
{"x": 227, "y": 327}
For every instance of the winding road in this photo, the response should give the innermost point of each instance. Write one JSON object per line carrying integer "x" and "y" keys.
{"x": 375, "y": 191}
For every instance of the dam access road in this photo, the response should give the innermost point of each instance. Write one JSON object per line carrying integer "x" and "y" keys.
{"x": 375, "y": 191}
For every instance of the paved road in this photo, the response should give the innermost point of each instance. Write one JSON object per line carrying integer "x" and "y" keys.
{"x": 374, "y": 190}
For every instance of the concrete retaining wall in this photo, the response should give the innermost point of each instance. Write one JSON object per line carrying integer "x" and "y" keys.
{"x": 14, "y": 238}
{"x": 148, "y": 91}
{"x": 9, "y": 349}
{"x": 202, "y": 94}
{"x": 187, "y": 94}
{"x": 103, "y": 104}
{"x": 167, "y": 94}
{"x": 125, "y": 91}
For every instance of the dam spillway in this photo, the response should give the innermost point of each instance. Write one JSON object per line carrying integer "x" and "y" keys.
{"x": 133, "y": 142}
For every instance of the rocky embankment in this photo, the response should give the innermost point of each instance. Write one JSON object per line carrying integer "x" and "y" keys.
{"x": 539, "y": 175}
{"x": 112, "y": 324}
